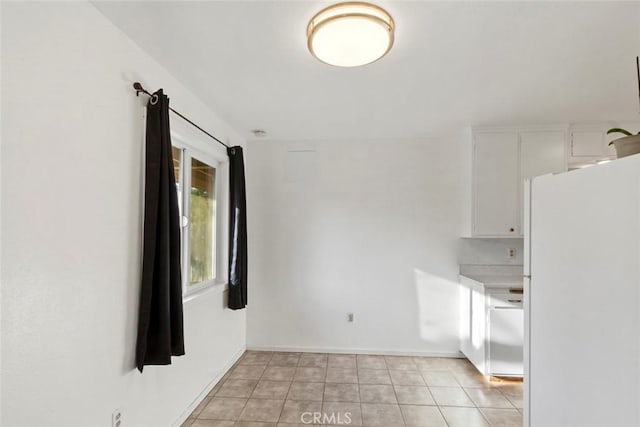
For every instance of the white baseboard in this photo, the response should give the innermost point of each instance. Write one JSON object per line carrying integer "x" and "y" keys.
{"x": 183, "y": 417}
{"x": 339, "y": 350}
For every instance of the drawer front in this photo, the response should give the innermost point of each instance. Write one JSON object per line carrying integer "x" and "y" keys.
{"x": 507, "y": 299}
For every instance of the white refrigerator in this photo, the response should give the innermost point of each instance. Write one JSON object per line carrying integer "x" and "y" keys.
{"x": 582, "y": 297}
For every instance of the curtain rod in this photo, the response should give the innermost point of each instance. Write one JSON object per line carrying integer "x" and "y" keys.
{"x": 138, "y": 88}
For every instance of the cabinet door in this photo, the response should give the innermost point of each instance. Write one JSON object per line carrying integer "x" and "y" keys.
{"x": 496, "y": 190}
{"x": 541, "y": 153}
{"x": 506, "y": 340}
{"x": 473, "y": 322}
{"x": 589, "y": 143}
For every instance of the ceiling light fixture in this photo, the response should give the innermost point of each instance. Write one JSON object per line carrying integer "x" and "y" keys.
{"x": 350, "y": 34}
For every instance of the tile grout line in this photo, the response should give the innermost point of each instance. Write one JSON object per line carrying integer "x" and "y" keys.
{"x": 291, "y": 384}
{"x": 442, "y": 415}
{"x": 393, "y": 387}
{"x": 245, "y": 403}
{"x": 359, "y": 394}
{"x": 257, "y": 382}
{"x": 484, "y": 417}
{"x": 326, "y": 370}
{"x": 439, "y": 408}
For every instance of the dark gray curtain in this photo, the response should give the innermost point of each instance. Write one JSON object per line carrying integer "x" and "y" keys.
{"x": 160, "y": 328}
{"x": 237, "y": 230}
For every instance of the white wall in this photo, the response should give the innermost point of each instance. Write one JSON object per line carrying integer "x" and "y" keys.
{"x": 365, "y": 227}
{"x": 71, "y": 179}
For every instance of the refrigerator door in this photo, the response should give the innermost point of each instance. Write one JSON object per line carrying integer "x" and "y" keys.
{"x": 584, "y": 297}
{"x": 526, "y": 229}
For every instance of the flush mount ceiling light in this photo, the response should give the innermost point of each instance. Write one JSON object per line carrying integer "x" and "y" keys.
{"x": 350, "y": 34}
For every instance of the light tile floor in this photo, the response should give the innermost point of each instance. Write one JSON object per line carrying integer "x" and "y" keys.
{"x": 266, "y": 389}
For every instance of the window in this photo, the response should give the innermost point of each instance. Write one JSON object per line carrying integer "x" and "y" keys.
{"x": 195, "y": 175}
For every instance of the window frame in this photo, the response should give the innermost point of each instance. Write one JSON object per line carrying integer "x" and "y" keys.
{"x": 188, "y": 152}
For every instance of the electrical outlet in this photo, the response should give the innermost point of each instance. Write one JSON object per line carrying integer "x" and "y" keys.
{"x": 116, "y": 418}
{"x": 350, "y": 317}
{"x": 512, "y": 253}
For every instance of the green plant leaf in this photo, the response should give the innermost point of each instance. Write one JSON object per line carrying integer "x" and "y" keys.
{"x": 619, "y": 130}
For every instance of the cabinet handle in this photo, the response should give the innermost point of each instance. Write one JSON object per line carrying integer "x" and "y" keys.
{"x": 511, "y": 230}
{"x": 515, "y": 300}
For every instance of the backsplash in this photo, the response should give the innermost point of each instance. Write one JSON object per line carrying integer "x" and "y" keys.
{"x": 478, "y": 251}
{"x": 472, "y": 270}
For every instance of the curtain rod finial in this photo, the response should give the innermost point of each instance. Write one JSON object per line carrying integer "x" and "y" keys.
{"x": 138, "y": 88}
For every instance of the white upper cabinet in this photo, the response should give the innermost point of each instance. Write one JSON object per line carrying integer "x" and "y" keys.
{"x": 502, "y": 160}
{"x": 589, "y": 144}
{"x": 542, "y": 153}
{"x": 496, "y": 191}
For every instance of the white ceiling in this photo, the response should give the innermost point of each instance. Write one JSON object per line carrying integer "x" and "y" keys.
{"x": 453, "y": 65}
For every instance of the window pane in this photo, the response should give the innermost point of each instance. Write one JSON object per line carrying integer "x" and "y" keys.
{"x": 202, "y": 222}
{"x": 177, "y": 165}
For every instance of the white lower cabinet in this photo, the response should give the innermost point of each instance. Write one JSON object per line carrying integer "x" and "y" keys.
{"x": 472, "y": 323}
{"x": 491, "y": 328}
{"x": 506, "y": 332}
